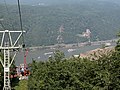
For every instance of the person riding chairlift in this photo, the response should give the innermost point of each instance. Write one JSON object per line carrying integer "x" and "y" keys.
{"x": 22, "y": 71}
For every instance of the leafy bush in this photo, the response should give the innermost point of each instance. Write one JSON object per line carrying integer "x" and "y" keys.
{"x": 76, "y": 74}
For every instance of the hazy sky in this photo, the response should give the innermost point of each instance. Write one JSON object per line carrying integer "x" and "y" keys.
{"x": 50, "y": 1}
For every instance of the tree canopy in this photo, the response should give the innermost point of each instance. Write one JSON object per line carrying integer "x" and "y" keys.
{"x": 76, "y": 74}
{"x": 42, "y": 23}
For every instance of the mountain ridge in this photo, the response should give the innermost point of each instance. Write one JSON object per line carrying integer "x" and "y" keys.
{"x": 43, "y": 22}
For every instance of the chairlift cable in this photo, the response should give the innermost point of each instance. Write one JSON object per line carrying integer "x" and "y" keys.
{"x": 2, "y": 25}
{"x": 21, "y": 24}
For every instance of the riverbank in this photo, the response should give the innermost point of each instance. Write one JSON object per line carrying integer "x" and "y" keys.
{"x": 43, "y": 54}
{"x": 74, "y": 45}
{"x": 98, "y": 53}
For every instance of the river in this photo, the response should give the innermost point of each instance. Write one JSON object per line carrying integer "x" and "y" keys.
{"x": 43, "y": 54}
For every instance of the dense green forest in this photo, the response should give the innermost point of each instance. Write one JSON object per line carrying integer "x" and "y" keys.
{"x": 59, "y": 73}
{"x": 42, "y": 23}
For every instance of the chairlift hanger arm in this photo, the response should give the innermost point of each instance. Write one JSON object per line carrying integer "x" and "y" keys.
{"x": 12, "y": 31}
{"x": 10, "y": 39}
{"x": 18, "y": 38}
{"x": 9, "y": 32}
{"x": 2, "y": 39}
{"x": 13, "y": 59}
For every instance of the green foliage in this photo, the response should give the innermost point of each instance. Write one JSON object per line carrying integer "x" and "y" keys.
{"x": 58, "y": 56}
{"x": 76, "y": 74}
{"x": 23, "y": 85}
{"x": 117, "y": 48}
{"x": 43, "y": 22}
{"x": 115, "y": 69}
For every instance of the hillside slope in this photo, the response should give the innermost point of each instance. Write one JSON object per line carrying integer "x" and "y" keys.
{"x": 43, "y": 22}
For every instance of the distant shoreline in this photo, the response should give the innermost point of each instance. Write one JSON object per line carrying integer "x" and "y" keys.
{"x": 74, "y": 45}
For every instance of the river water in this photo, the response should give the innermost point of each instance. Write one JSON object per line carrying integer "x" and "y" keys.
{"x": 43, "y": 54}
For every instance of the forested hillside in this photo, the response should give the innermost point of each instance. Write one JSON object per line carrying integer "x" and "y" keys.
{"x": 59, "y": 73}
{"x": 42, "y": 22}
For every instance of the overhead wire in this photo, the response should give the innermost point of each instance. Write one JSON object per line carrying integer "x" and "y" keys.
{"x": 2, "y": 25}
{"x": 21, "y": 24}
{"x": 20, "y": 19}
